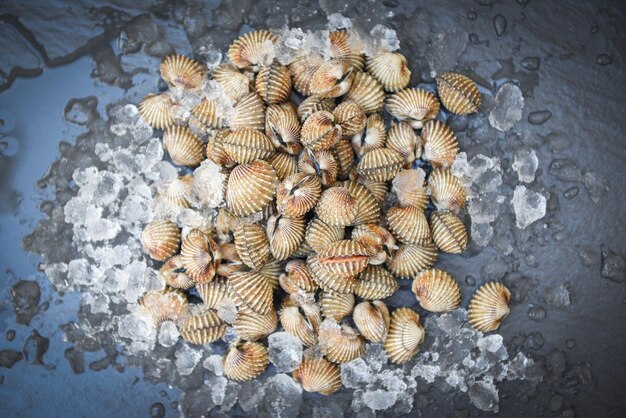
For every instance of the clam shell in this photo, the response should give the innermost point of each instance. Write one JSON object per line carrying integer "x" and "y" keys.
{"x": 436, "y": 291}
{"x": 178, "y": 191}
{"x": 390, "y": 69}
{"x": 320, "y": 235}
{"x": 345, "y": 258}
{"x": 440, "y": 145}
{"x": 157, "y": 110}
{"x": 252, "y": 245}
{"x": 367, "y": 93}
{"x": 164, "y": 305}
{"x": 320, "y": 131}
{"x": 321, "y": 163}
{"x": 273, "y": 83}
{"x": 373, "y": 135}
{"x": 372, "y": 320}
{"x": 302, "y": 70}
{"x": 314, "y": 104}
{"x": 381, "y": 164}
{"x": 160, "y": 239}
{"x": 299, "y": 278}
{"x": 253, "y": 50}
{"x": 284, "y": 164}
{"x": 252, "y": 326}
{"x": 405, "y": 335}
{"x": 337, "y": 207}
{"x": 376, "y": 282}
{"x": 298, "y": 194}
{"x": 207, "y": 112}
{"x": 285, "y": 235}
{"x": 251, "y": 290}
{"x": 489, "y": 306}
{"x": 173, "y": 274}
{"x": 340, "y": 343}
{"x": 303, "y": 322}
{"x": 408, "y": 260}
{"x": 410, "y": 188}
{"x": 231, "y": 261}
{"x": 245, "y": 360}
{"x": 246, "y": 145}
{"x": 235, "y": 84}
{"x": 369, "y": 209}
{"x": 202, "y": 328}
{"x": 215, "y": 149}
{"x": 379, "y": 189}
{"x": 446, "y": 190}
{"x": 413, "y": 105}
{"x": 458, "y": 93}
{"x": 183, "y": 146}
{"x": 329, "y": 281}
{"x": 344, "y": 156}
{"x": 337, "y": 305}
{"x": 448, "y": 231}
{"x": 350, "y": 117}
{"x": 379, "y": 242}
{"x": 409, "y": 225}
{"x": 249, "y": 112}
{"x": 183, "y": 72}
{"x": 318, "y": 375}
{"x": 403, "y": 139}
{"x": 331, "y": 79}
{"x": 340, "y": 49}
{"x": 272, "y": 270}
{"x": 251, "y": 187}
{"x": 282, "y": 127}
{"x": 213, "y": 292}
{"x": 200, "y": 256}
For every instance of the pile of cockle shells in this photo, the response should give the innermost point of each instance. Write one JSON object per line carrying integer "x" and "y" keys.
{"x": 303, "y": 238}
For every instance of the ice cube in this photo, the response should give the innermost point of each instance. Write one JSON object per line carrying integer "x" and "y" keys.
{"x": 285, "y": 351}
{"x": 187, "y": 358}
{"x": 379, "y": 400}
{"x": 208, "y": 185}
{"x": 355, "y": 374}
{"x": 529, "y": 206}
{"x": 283, "y": 397}
{"x": 509, "y": 106}
{"x": 338, "y": 21}
{"x": 213, "y": 364}
{"x": 484, "y": 396}
{"x": 168, "y": 334}
{"x": 525, "y": 164}
{"x": 444, "y": 50}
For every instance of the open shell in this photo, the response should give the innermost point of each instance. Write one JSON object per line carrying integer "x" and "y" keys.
{"x": 379, "y": 242}
{"x": 282, "y": 127}
{"x": 331, "y": 79}
{"x": 298, "y": 194}
{"x": 318, "y": 375}
{"x": 448, "y": 231}
{"x": 376, "y": 282}
{"x": 408, "y": 260}
{"x": 245, "y": 360}
{"x": 252, "y": 326}
{"x": 252, "y": 245}
{"x": 157, "y": 110}
{"x": 372, "y": 320}
{"x": 409, "y": 225}
{"x": 321, "y": 163}
{"x": 298, "y": 278}
{"x": 390, "y": 69}
{"x": 183, "y": 146}
{"x": 174, "y": 275}
{"x": 436, "y": 291}
{"x": 380, "y": 164}
{"x": 446, "y": 190}
{"x": 414, "y": 106}
{"x": 458, "y": 93}
{"x": 405, "y": 335}
{"x": 160, "y": 239}
{"x": 301, "y": 321}
{"x": 253, "y": 50}
{"x": 372, "y": 136}
{"x": 410, "y": 188}
{"x": 337, "y": 305}
{"x": 202, "y": 328}
{"x": 246, "y": 145}
{"x": 489, "y": 306}
{"x": 183, "y": 72}
{"x": 320, "y": 131}
{"x": 340, "y": 343}
{"x": 440, "y": 145}
{"x": 164, "y": 305}
{"x": 251, "y": 290}
{"x": 200, "y": 256}
{"x": 345, "y": 258}
{"x": 367, "y": 93}
{"x": 251, "y": 187}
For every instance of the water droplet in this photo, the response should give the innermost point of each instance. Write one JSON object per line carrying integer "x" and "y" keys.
{"x": 470, "y": 281}
{"x": 157, "y": 410}
{"x": 604, "y": 59}
{"x": 540, "y": 117}
{"x": 472, "y": 15}
{"x": 473, "y": 38}
{"x": 10, "y": 335}
{"x": 537, "y": 313}
{"x": 531, "y": 63}
{"x": 571, "y": 193}
{"x": 499, "y": 24}
{"x": 570, "y": 344}
{"x": 8, "y": 146}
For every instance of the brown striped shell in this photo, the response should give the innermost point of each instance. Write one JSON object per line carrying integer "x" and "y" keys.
{"x": 414, "y": 106}
{"x": 330, "y": 281}
{"x": 369, "y": 208}
{"x": 301, "y": 321}
{"x": 340, "y": 343}
{"x": 448, "y": 231}
{"x": 174, "y": 275}
{"x": 380, "y": 164}
{"x": 446, "y": 190}
{"x": 273, "y": 83}
{"x": 337, "y": 207}
{"x": 164, "y": 305}
{"x": 302, "y": 70}
{"x": 404, "y": 337}
{"x": 213, "y": 292}
{"x": 200, "y": 256}
{"x": 344, "y": 156}
{"x": 379, "y": 189}
{"x": 202, "y": 328}
{"x": 249, "y": 112}
{"x": 253, "y": 50}
{"x": 409, "y": 225}
{"x": 157, "y": 110}
{"x": 331, "y": 79}
{"x": 391, "y": 69}
{"x": 336, "y": 306}
{"x": 251, "y": 290}
{"x": 284, "y": 164}
{"x": 367, "y": 93}
{"x": 440, "y": 145}
{"x": 319, "y": 234}
{"x": 245, "y": 360}
{"x": 379, "y": 242}
{"x": 341, "y": 50}
{"x": 282, "y": 127}
{"x": 285, "y": 235}
{"x": 372, "y": 320}
{"x": 458, "y": 93}
{"x": 314, "y": 104}
{"x": 231, "y": 261}
{"x": 376, "y": 282}
{"x": 408, "y": 260}
{"x": 298, "y": 278}
{"x": 345, "y": 258}
{"x": 350, "y": 117}
{"x": 252, "y": 326}
{"x": 252, "y": 245}
{"x": 183, "y": 72}
{"x": 322, "y": 163}
{"x": 246, "y": 145}
{"x": 207, "y": 112}
{"x": 320, "y": 131}
{"x": 272, "y": 271}
{"x": 436, "y": 291}
{"x": 372, "y": 136}
{"x": 251, "y": 187}
{"x": 235, "y": 84}
{"x": 298, "y": 194}
{"x": 178, "y": 191}
{"x": 489, "y": 306}
{"x": 183, "y": 146}
{"x": 410, "y": 188}
{"x": 403, "y": 139}
{"x": 160, "y": 239}
{"x": 215, "y": 149}
{"x": 318, "y": 375}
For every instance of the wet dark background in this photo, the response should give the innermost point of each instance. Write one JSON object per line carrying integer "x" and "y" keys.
{"x": 566, "y": 56}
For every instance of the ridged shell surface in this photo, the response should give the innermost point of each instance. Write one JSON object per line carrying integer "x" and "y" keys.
{"x": 410, "y": 188}
{"x": 298, "y": 278}
{"x": 282, "y": 127}
{"x": 337, "y": 305}
{"x": 374, "y": 135}
{"x": 249, "y": 113}
{"x": 252, "y": 50}
{"x": 404, "y": 337}
{"x": 160, "y": 239}
{"x": 381, "y": 164}
{"x": 298, "y": 194}
{"x": 436, "y": 291}
{"x": 303, "y": 323}
{"x": 200, "y": 256}
{"x": 183, "y": 146}
{"x": 273, "y": 83}
{"x": 207, "y": 112}
{"x": 331, "y": 79}
{"x": 403, "y": 139}
{"x": 318, "y": 375}
{"x": 369, "y": 208}
{"x": 252, "y": 245}
{"x": 157, "y": 110}
{"x": 322, "y": 163}
{"x": 247, "y": 145}
{"x": 372, "y": 320}
{"x": 285, "y": 235}
{"x": 376, "y": 282}
{"x": 345, "y": 258}
{"x": 408, "y": 260}
{"x": 202, "y": 328}
{"x": 173, "y": 274}
{"x": 251, "y": 290}
{"x": 458, "y": 93}
{"x": 440, "y": 144}
{"x": 446, "y": 190}
{"x": 448, "y": 231}
{"x": 341, "y": 50}
{"x": 235, "y": 84}
{"x": 340, "y": 343}
{"x": 320, "y": 131}
{"x": 314, "y": 104}
{"x": 330, "y": 281}
{"x": 489, "y": 306}
{"x": 252, "y": 326}
{"x": 350, "y": 117}
{"x": 245, "y": 360}
{"x": 183, "y": 72}
{"x": 337, "y": 207}
{"x": 409, "y": 225}
{"x": 320, "y": 235}
{"x": 213, "y": 292}
{"x": 344, "y": 156}
{"x": 414, "y": 106}
{"x": 391, "y": 69}
{"x": 284, "y": 164}
{"x": 251, "y": 187}
{"x": 367, "y": 93}
{"x": 302, "y": 70}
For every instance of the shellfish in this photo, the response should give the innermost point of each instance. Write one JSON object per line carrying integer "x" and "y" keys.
{"x": 160, "y": 239}
{"x": 489, "y": 306}
{"x": 164, "y": 305}
{"x": 402, "y": 138}
{"x": 408, "y": 260}
{"x": 282, "y": 127}
{"x": 446, "y": 190}
{"x": 440, "y": 145}
{"x": 314, "y": 104}
{"x": 345, "y": 258}
{"x": 436, "y": 291}
{"x": 200, "y": 256}
{"x": 376, "y": 282}
{"x": 246, "y": 145}
{"x": 372, "y": 136}
{"x": 202, "y": 328}
{"x": 249, "y": 113}
{"x": 319, "y": 234}
{"x": 183, "y": 146}
{"x": 251, "y": 187}
{"x": 302, "y": 321}
{"x": 378, "y": 241}
{"x": 253, "y": 50}
{"x": 285, "y": 235}
{"x": 329, "y": 281}
{"x": 183, "y": 72}
{"x": 337, "y": 305}
{"x": 367, "y": 93}
{"x": 208, "y": 114}
{"x": 284, "y": 164}
{"x": 245, "y": 360}
{"x": 318, "y": 375}
{"x": 298, "y": 194}
{"x": 273, "y": 83}
{"x": 252, "y": 326}
{"x": 331, "y": 79}
{"x": 235, "y": 84}
{"x": 390, "y": 69}
{"x": 410, "y": 188}
{"x": 350, "y": 117}
{"x": 372, "y": 320}
{"x": 173, "y": 274}
{"x": 337, "y": 207}
{"x": 409, "y": 225}
{"x": 157, "y": 110}
{"x": 340, "y": 343}
{"x": 380, "y": 164}
{"x": 252, "y": 245}
{"x": 299, "y": 278}
{"x": 251, "y": 290}
{"x": 320, "y": 131}
{"x": 213, "y": 292}
{"x": 322, "y": 163}
{"x": 458, "y": 93}
{"x": 405, "y": 335}
{"x": 414, "y": 106}
{"x": 448, "y": 231}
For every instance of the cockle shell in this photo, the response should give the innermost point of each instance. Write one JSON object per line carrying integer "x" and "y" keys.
{"x": 272, "y": 270}
{"x": 164, "y": 305}
{"x": 350, "y": 117}
{"x": 160, "y": 239}
{"x": 372, "y": 320}
{"x": 380, "y": 164}
{"x": 446, "y": 190}
{"x": 336, "y": 305}
{"x": 298, "y": 194}
{"x": 372, "y": 136}
{"x": 410, "y": 188}
{"x": 379, "y": 242}
{"x": 408, "y": 260}
{"x": 367, "y": 93}
{"x": 331, "y": 79}
{"x": 321, "y": 163}
{"x": 440, "y": 145}
{"x": 215, "y": 149}
{"x": 376, "y": 282}
{"x": 285, "y": 235}
{"x": 403, "y": 139}
{"x": 302, "y": 321}
{"x": 249, "y": 112}
{"x": 448, "y": 231}
{"x": 337, "y": 207}
{"x": 284, "y": 164}
{"x": 282, "y": 127}
{"x": 405, "y": 335}
{"x": 178, "y": 191}
{"x": 200, "y": 256}
{"x": 246, "y": 145}
{"x": 390, "y": 69}
{"x": 251, "y": 290}
{"x": 251, "y": 187}
{"x": 378, "y": 189}
{"x": 341, "y": 50}
{"x": 183, "y": 72}
{"x": 345, "y": 258}
{"x": 235, "y": 84}
{"x": 344, "y": 156}
{"x": 273, "y": 83}
{"x": 183, "y": 146}
{"x": 320, "y": 131}
{"x": 213, "y": 292}
{"x": 252, "y": 326}
{"x": 302, "y": 70}
{"x": 318, "y": 375}
{"x": 320, "y": 235}
{"x": 298, "y": 278}
{"x": 252, "y": 245}
{"x": 436, "y": 291}
{"x": 202, "y": 328}
{"x": 340, "y": 343}
{"x": 413, "y": 105}
{"x": 245, "y": 360}
{"x": 489, "y": 306}
{"x": 157, "y": 110}
{"x": 207, "y": 112}
{"x": 173, "y": 274}
{"x": 314, "y": 104}
{"x": 253, "y": 50}
{"x": 330, "y": 281}
{"x": 458, "y": 93}
{"x": 369, "y": 209}
{"x": 409, "y": 225}
{"x": 231, "y": 261}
